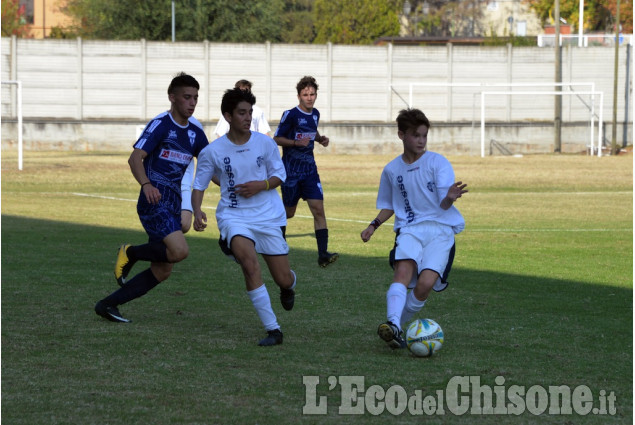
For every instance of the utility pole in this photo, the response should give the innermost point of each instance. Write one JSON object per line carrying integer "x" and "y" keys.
{"x": 558, "y": 98}
{"x": 615, "y": 77}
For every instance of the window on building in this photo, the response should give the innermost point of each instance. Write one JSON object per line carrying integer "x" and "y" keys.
{"x": 27, "y": 7}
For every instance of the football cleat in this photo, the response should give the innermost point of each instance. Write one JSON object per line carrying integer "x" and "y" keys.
{"x": 110, "y": 312}
{"x": 123, "y": 265}
{"x": 393, "y": 336}
{"x": 327, "y": 258}
{"x": 274, "y": 337}
{"x": 287, "y": 298}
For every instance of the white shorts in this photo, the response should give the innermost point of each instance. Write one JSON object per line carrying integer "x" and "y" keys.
{"x": 428, "y": 244}
{"x": 267, "y": 240}
{"x": 186, "y": 200}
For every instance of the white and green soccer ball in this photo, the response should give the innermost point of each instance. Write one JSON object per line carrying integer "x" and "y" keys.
{"x": 424, "y": 337}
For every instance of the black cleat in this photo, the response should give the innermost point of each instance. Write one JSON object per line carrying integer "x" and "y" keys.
{"x": 327, "y": 258}
{"x": 274, "y": 337}
{"x": 287, "y": 298}
{"x": 390, "y": 333}
{"x": 110, "y": 312}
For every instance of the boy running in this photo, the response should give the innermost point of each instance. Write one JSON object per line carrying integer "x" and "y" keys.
{"x": 250, "y": 214}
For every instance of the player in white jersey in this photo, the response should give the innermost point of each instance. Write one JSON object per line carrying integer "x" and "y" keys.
{"x": 186, "y": 189}
{"x": 258, "y": 121}
{"x": 250, "y": 214}
{"x": 418, "y": 187}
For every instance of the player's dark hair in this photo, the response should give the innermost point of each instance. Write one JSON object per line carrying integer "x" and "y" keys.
{"x": 306, "y": 81}
{"x": 243, "y": 83}
{"x": 233, "y": 97}
{"x": 411, "y": 119}
{"x": 182, "y": 80}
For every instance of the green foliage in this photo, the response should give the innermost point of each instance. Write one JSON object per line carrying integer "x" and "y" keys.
{"x": 599, "y": 15}
{"x": 195, "y": 20}
{"x": 355, "y": 21}
{"x": 13, "y": 19}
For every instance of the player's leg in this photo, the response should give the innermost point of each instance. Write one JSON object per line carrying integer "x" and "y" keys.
{"x": 435, "y": 260}
{"x": 391, "y": 331}
{"x": 186, "y": 221}
{"x": 321, "y": 232}
{"x": 284, "y": 277}
{"x": 290, "y": 191}
{"x": 245, "y": 253}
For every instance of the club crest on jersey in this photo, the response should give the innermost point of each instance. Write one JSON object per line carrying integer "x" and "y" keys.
{"x": 431, "y": 186}
{"x": 175, "y": 156}
{"x": 192, "y": 135}
{"x": 259, "y": 161}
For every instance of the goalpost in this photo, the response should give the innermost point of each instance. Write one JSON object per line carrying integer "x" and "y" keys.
{"x": 592, "y": 93}
{"x": 506, "y": 89}
{"x": 18, "y": 83}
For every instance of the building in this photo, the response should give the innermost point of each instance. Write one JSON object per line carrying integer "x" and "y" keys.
{"x": 44, "y": 15}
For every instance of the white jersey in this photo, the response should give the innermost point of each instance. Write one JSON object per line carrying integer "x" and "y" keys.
{"x": 258, "y": 159}
{"x": 258, "y": 123}
{"x": 415, "y": 191}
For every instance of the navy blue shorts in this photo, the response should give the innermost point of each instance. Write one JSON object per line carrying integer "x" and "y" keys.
{"x": 305, "y": 187}
{"x": 161, "y": 219}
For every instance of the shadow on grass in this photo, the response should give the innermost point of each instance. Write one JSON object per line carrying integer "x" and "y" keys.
{"x": 191, "y": 346}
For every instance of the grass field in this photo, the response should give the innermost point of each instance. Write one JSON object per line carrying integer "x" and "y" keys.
{"x": 541, "y": 295}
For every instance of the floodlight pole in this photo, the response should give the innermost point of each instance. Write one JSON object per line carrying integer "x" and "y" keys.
{"x": 173, "y": 23}
{"x": 581, "y": 24}
{"x": 558, "y": 99}
{"x": 615, "y": 77}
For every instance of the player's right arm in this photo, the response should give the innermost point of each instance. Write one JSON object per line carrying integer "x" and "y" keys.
{"x": 383, "y": 215}
{"x": 153, "y": 196}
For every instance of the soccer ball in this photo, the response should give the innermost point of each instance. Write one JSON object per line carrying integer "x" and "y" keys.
{"x": 424, "y": 337}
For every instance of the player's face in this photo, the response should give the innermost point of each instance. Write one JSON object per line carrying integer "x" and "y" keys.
{"x": 415, "y": 140}
{"x": 240, "y": 119}
{"x": 307, "y": 98}
{"x": 184, "y": 100}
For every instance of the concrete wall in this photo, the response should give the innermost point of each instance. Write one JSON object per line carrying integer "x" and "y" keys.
{"x": 77, "y": 91}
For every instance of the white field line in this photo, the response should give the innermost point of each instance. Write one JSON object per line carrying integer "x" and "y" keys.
{"x": 344, "y": 220}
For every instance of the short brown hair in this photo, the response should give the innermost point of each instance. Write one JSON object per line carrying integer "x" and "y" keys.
{"x": 411, "y": 118}
{"x": 306, "y": 81}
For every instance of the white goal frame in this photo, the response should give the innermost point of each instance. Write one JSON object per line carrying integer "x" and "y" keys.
{"x": 18, "y": 83}
{"x": 592, "y": 93}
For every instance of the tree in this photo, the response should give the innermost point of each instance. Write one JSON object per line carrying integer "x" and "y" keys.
{"x": 297, "y": 21}
{"x": 599, "y": 15}
{"x": 195, "y": 20}
{"x": 355, "y": 21}
{"x": 14, "y": 19}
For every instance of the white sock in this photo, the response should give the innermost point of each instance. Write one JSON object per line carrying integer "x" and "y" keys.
{"x": 395, "y": 302}
{"x": 262, "y": 303}
{"x": 412, "y": 306}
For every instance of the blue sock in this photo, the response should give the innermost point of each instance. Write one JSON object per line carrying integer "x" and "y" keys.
{"x": 322, "y": 236}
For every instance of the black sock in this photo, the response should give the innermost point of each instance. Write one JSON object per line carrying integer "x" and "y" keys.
{"x": 322, "y": 236}
{"x": 151, "y": 251}
{"x": 135, "y": 288}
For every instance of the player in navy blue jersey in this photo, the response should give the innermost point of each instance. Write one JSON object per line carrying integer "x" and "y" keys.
{"x": 158, "y": 162}
{"x": 297, "y": 134}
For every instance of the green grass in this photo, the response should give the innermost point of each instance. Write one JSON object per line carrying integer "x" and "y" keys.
{"x": 541, "y": 294}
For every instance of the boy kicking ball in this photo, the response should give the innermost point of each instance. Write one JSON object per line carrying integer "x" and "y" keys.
{"x": 418, "y": 187}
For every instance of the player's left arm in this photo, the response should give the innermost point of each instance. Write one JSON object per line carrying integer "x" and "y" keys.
{"x": 454, "y": 192}
{"x": 321, "y": 139}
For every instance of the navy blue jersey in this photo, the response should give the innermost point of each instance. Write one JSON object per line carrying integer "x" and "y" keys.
{"x": 170, "y": 149}
{"x": 296, "y": 124}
